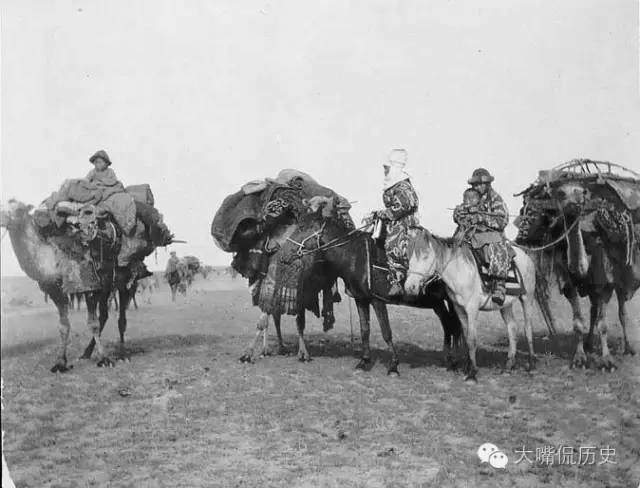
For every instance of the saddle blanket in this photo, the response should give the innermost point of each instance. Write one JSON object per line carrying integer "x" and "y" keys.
{"x": 513, "y": 282}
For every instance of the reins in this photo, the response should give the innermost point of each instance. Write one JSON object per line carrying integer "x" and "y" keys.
{"x": 337, "y": 242}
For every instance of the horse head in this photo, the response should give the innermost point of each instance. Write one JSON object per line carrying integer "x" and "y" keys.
{"x": 14, "y": 213}
{"x": 423, "y": 261}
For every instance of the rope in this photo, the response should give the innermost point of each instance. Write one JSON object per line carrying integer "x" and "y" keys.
{"x": 549, "y": 245}
{"x": 329, "y": 245}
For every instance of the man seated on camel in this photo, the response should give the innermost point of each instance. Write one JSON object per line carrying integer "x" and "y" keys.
{"x": 487, "y": 220}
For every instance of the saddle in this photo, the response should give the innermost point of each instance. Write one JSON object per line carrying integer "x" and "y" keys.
{"x": 513, "y": 282}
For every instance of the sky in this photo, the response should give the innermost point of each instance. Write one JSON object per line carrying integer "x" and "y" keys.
{"x": 197, "y": 98}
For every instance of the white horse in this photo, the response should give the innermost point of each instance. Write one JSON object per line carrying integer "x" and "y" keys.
{"x": 431, "y": 257}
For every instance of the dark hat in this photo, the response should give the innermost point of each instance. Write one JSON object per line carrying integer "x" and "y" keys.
{"x": 480, "y": 175}
{"x": 100, "y": 154}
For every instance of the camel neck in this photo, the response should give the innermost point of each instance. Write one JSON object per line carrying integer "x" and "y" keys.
{"x": 35, "y": 256}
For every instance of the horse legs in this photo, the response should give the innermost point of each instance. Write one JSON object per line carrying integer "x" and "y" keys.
{"x": 61, "y": 301}
{"x": 624, "y": 319}
{"x": 94, "y": 325}
{"x": 261, "y": 326}
{"x": 276, "y": 322}
{"x": 327, "y": 308}
{"x": 468, "y": 321}
{"x": 365, "y": 332}
{"x": 579, "y": 357}
{"x": 527, "y": 307}
{"x": 383, "y": 319}
{"x": 510, "y": 322}
{"x": 446, "y": 321}
{"x": 303, "y": 354}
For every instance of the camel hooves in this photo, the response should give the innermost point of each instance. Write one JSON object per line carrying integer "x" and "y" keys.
{"x": 60, "y": 368}
{"x": 608, "y": 364}
{"x": 579, "y": 361}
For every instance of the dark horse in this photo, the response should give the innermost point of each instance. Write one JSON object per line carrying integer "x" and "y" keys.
{"x": 349, "y": 254}
{"x": 38, "y": 259}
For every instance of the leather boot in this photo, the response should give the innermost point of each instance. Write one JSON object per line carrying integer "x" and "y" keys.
{"x": 499, "y": 292}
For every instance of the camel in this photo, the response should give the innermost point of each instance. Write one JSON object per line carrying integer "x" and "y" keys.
{"x": 596, "y": 267}
{"x": 38, "y": 257}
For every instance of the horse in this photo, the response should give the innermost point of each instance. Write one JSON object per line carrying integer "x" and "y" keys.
{"x": 353, "y": 255}
{"x": 432, "y": 257}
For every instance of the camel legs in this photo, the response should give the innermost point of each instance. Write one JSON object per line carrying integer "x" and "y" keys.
{"x": 95, "y": 325}
{"x": 61, "y": 301}
{"x": 579, "y": 357}
{"x": 124, "y": 295}
{"x": 601, "y": 300}
{"x": 624, "y": 319}
{"x": 383, "y": 319}
{"x": 365, "y": 332}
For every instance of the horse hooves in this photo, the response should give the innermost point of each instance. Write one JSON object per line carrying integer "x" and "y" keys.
{"x": 365, "y": 364}
{"x": 304, "y": 358}
{"x": 283, "y": 351}
{"x": 105, "y": 363}
{"x": 265, "y": 354}
{"x": 60, "y": 368}
{"x": 471, "y": 377}
{"x": 393, "y": 371}
{"x": 628, "y": 350}
{"x": 123, "y": 359}
{"x": 246, "y": 358}
{"x": 511, "y": 365}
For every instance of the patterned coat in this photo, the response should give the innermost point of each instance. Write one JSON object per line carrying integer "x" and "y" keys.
{"x": 484, "y": 227}
{"x": 401, "y": 202}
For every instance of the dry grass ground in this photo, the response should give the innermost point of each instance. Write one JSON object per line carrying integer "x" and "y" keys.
{"x": 192, "y": 415}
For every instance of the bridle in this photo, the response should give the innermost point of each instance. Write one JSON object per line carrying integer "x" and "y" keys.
{"x": 333, "y": 243}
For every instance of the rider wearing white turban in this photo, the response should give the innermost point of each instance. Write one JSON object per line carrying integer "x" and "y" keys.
{"x": 400, "y": 214}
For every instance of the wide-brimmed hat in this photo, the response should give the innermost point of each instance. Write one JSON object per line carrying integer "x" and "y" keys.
{"x": 397, "y": 158}
{"x": 102, "y": 155}
{"x": 480, "y": 175}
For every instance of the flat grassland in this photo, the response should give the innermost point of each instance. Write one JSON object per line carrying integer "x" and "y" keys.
{"x": 185, "y": 412}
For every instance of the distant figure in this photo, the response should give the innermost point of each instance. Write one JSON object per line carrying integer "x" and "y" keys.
{"x": 172, "y": 274}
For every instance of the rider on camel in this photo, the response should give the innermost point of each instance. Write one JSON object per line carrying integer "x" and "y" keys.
{"x": 483, "y": 224}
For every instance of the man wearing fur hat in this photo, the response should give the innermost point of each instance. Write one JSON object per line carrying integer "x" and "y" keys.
{"x": 488, "y": 217}
{"x": 400, "y": 214}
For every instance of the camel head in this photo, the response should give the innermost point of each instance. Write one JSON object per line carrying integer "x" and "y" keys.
{"x": 571, "y": 197}
{"x": 13, "y": 213}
